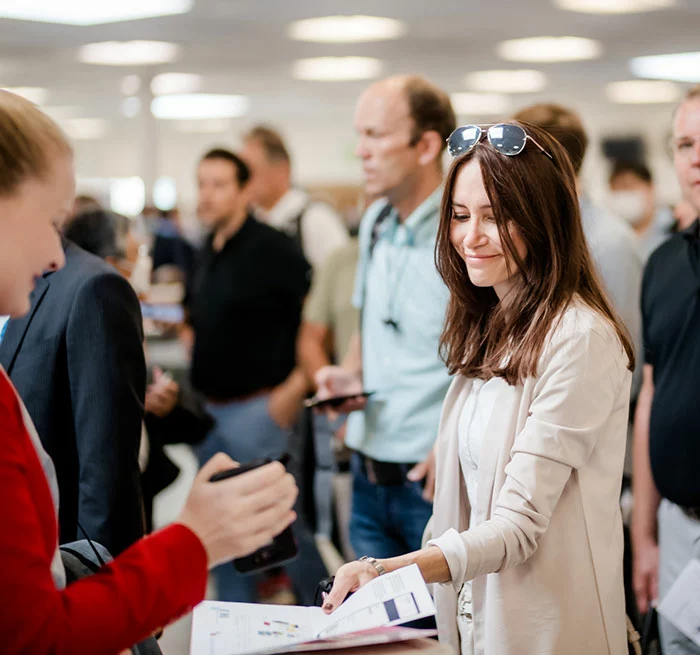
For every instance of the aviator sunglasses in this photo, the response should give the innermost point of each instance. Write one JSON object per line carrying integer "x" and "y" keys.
{"x": 506, "y": 138}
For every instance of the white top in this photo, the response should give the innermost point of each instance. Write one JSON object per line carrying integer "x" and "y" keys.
{"x": 322, "y": 228}
{"x": 471, "y": 430}
{"x": 547, "y": 517}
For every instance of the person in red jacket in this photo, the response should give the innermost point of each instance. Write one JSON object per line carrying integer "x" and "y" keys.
{"x": 160, "y": 577}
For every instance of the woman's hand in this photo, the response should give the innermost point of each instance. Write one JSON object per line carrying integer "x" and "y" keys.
{"x": 236, "y": 516}
{"x": 350, "y": 577}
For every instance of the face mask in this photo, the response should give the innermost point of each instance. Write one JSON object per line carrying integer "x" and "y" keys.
{"x": 628, "y": 205}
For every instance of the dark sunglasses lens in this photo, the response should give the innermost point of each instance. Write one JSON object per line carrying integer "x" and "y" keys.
{"x": 507, "y": 139}
{"x": 463, "y": 139}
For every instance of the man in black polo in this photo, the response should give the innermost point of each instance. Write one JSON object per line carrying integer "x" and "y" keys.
{"x": 245, "y": 311}
{"x": 666, "y": 480}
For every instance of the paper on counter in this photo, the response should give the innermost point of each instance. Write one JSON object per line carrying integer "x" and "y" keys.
{"x": 220, "y": 628}
{"x": 681, "y": 605}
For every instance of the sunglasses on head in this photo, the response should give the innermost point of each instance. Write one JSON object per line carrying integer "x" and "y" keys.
{"x": 506, "y": 138}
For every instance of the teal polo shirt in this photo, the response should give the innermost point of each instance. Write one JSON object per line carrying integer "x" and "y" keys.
{"x": 400, "y": 282}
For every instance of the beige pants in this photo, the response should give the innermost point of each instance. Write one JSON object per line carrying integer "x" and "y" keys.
{"x": 465, "y": 622}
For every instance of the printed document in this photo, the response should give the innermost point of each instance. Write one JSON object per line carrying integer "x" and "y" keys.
{"x": 681, "y": 605}
{"x": 220, "y": 628}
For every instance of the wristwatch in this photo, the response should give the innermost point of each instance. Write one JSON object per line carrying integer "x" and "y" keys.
{"x": 377, "y": 566}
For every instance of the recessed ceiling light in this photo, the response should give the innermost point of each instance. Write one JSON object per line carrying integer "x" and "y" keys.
{"x": 80, "y": 12}
{"x": 476, "y": 104}
{"x": 550, "y": 48}
{"x": 507, "y": 81}
{"x": 128, "y": 53}
{"x": 642, "y": 92}
{"x": 85, "y": 128}
{"x": 166, "y": 83}
{"x": 199, "y": 106}
{"x": 346, "y": 29}
{"x": 331, "y": 69}
{"x": 34, "y": 94}
{"x": 613, "y": 6}
{"x": 681, "y": 67}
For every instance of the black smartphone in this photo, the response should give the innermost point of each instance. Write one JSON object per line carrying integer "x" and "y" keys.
{"x": 282, "y": 549}
{"x": 335, "y": 401}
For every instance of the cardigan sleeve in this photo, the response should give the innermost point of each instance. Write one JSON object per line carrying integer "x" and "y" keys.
{"x": 149, "y": 585}
{"x": 579, "y": 383}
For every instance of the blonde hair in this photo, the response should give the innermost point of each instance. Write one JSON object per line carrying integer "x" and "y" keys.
{"x": 27, "y": 139}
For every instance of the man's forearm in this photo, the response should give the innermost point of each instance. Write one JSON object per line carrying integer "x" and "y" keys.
{"x": 312, "y": 353}
{"x": 646, "y": 496}
{"x": 353, "y": 359}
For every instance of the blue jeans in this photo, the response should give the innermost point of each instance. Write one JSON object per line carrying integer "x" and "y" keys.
{"x": 386, "y": 521}
{"x": 244, "y": 430}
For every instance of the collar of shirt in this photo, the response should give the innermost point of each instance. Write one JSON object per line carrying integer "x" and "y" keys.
{"x": 288, "y": 207}
{"x": 409, "y": 232}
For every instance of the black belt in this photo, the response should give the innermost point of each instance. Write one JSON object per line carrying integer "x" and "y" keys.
{"x": 387, "y": 474}
{"x": 692, "y": 512}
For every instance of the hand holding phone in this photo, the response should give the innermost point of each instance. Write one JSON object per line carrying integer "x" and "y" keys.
{"x": 282, "y": 548}
{"x": 237, "y": 517}
{"x": 335, "y": 402}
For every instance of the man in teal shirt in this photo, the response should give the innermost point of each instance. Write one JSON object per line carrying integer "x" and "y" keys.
{"x": 402, "y": 125}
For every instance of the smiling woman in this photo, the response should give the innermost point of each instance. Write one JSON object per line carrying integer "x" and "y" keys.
{"x": 532, "y": 435}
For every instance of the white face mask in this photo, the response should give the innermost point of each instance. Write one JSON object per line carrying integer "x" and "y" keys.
{"x": 628, "y": 205}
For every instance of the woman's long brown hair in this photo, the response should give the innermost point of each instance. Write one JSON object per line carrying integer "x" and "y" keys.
{"x": 536, "y": 196}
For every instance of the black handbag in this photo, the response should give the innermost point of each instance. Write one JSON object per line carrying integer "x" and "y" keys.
{"x": 85, "y": 557}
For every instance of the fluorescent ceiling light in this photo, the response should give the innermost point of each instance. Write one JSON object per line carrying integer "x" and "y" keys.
{"x": 346, "y": 29}
{"x": 506, "y": 81}
{"x": 642, "y": 92}
{"x": 85, "y": 128}
{"x": 550, "y": 48}
{"x": 216, "y": 126}
{"x": 128, "y": 53}
{"x": 477, "y": 104}
{"x": 331, "y": 69}
{"x": 681, "y": 67}
{"x": 199, "y": 106}
{"x": 80, "y": 12}
{"x": 127, "y": 195}
{"x": 34, "y": 94}
{"x": 166, "y": 83}
{"x": 613, "y": 6}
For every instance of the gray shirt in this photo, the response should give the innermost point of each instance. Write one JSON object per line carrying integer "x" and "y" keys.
{"x": 616, "y": 253}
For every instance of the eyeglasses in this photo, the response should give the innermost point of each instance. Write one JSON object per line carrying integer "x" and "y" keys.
{"x": 507, "y": 138}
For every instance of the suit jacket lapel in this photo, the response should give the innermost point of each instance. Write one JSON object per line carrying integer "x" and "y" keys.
{"x": 17, "y": 328}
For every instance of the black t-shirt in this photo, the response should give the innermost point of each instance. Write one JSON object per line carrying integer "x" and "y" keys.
{"x": 671, "y": 323}
{"x": 246, "y": 311}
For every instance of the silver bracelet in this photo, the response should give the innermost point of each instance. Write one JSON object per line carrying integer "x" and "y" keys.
{"x": 377, "y": 566}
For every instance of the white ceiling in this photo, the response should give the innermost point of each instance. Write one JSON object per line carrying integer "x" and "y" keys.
{"x": 240, "y": 46}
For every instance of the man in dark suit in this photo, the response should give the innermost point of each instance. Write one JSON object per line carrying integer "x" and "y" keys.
{"x": 77, "y": 361}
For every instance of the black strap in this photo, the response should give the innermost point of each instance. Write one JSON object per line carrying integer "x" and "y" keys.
{"x": 92, "y": 545}
{"x": 374, "y": 237}
{"x": 293, "y": 228}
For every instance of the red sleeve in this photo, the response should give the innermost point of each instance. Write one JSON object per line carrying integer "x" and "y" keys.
{"x": 149, "y": 585}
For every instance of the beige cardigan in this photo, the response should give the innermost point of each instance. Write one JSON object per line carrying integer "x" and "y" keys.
{"x": 545, "y": 554}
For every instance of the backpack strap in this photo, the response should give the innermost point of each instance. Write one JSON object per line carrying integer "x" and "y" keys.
{"x": 374, "y": 238}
